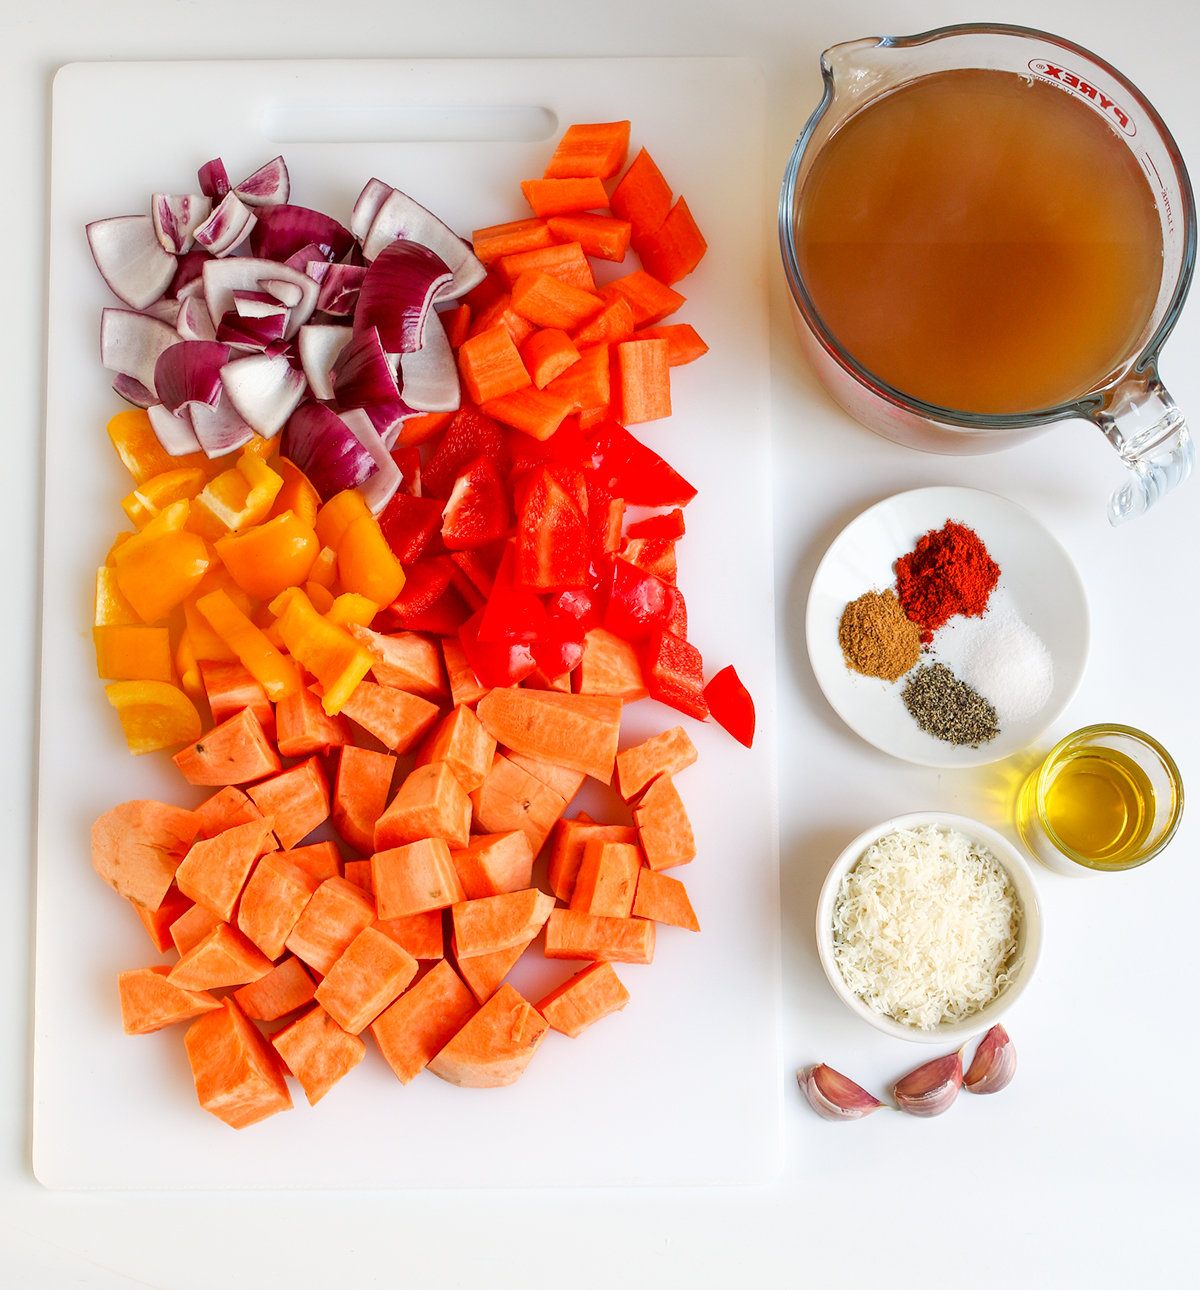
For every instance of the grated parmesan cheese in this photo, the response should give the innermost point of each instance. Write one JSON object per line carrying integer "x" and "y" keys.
{"x": 925, "y": 927}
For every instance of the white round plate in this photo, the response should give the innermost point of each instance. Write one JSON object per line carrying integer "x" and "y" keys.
{"x": 1038, "y": 582}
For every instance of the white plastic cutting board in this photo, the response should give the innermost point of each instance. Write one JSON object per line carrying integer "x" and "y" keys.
{"x": 684, "y": 1085}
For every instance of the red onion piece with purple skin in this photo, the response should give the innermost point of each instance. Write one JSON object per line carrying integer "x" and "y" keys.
{"x": 193, "y": 321}
{"x": 133, "y": 391}
{"x": 281, "y": 231}
{"x": 388, "y": 420}
{"x": 361, "y": 375}
{"x": 397, "y": 294}
{"x": 268, "y": 186}
{"x": 189, "y": 272}
{"x": 375, "y": 192}
{"x": 173, "y": 431}
{"x": 227, "y": 227}
{"x": 219, "y": 430}
{"x": 264, "y": 389}
{"x": 429, "y": 375}
{"x": 130, "y": 343}
{"x": 311, "y": 254}
{"x": 385, "y": 479}
{"x": 190, "y": 372}
{"x": 320, "y": 344}
{"x": 319, "y": 443}
{"x": 340, "y": 285}
{"x": 214, "y": 182}
{"x": 401, "y": 217}
{"x": 260, "y": 304}
{"x": 176, "y": 218}
{"x": 131, "y": 258}
{"x": 251, "y": 334}
{"x": 243, "y": 273}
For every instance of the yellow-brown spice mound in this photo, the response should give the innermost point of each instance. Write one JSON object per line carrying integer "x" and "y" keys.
{"x": 877, "y": 637}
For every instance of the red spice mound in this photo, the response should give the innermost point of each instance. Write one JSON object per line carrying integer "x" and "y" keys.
{"x": 949, "y": 572}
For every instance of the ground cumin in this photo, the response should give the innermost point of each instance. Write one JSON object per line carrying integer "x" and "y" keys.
{"x": 877, "y": 637}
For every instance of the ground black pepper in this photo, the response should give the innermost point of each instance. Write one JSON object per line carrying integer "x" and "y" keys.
{"x": 947, "y": 708}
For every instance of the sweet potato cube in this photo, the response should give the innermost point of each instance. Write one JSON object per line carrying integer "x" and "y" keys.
{"x": 372, "y": 972}
{"x": 607, "y": 879}
{"x": 215, "y": 870}
{"x": 566, "y": 855}
{"x": 665, "y": 900}
{"x": 318, "y": 1052}
{"x": 511, "y": 798}
{"x": 430, "y": 804}
{"x": 149, "y": 1001}
{"x": 235, "y": 752}
{"x": 579, "y": 731}
{"x": 273, "y": 901}
{"x": 137, "y": 846}
{"x": 224, "y": 957}
{"x": 586, "y": 997}
{"x": 664, "y": 829}
{"x": 463, "y": 744}
{"x": 303, "y": 727}
{"x": 572, "y": 935}
{"x": 422, "y": 1021}
{"x": 286, "y": 987}
{"x": 158, "y": 921}
{"x": 610, "y": 666}
{"x": 359, "y": 873}
{"x": 415, "y": 878}
{"x": 483, "y": 973}
{"x": 230, "y": 687}
{"x": 321, "y": 859}
{"x": 226, "y": 809}
{"x": 464, "y": 688}
{"x": 360, "y": 794}
{"x": 238, "y": 1077}
{"x": 395, "y": 717}
{"x": 564, "y": 781}
{"x": 495, "y": 1046}
{"x": 499, "y": 922}
{"x": 297, "y": 799}
{"x": 494, "y": 863}
{"x": 334, "y": 916}
{"x": 664, "y": 754}
{"x": 405, "y": 660}
{"x": 192, "y": 926}
{"x": 419, "y": 934}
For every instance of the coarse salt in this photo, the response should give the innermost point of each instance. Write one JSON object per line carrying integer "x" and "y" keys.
{"x": 1009, "y": 665}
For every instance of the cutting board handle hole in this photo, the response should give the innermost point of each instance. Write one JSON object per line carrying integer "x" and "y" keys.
{"x": 406, "y": 123}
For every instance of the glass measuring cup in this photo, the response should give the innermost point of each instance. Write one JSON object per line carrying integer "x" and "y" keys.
{"x": 1130, "y": 405}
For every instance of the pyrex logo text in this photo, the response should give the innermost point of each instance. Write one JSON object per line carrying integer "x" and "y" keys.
{"x": 1077, "y": 85}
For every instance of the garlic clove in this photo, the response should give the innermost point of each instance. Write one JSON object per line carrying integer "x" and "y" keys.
{"x": 994, "y": 1063}
{"x": 930, "y": 1089}
{"x": 833, "y": 1096}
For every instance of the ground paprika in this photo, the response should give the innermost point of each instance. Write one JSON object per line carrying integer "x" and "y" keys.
{"x": 949, "y": 572}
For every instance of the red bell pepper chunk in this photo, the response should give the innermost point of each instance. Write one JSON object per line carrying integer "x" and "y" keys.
{"x": 669, "y": 525}
{"x": 480, "y": 565}
{"x": 678, "y": 624}
{"x": 557, "y": 655}
{"x": 410, "y": 524}
{"x": 476, "y": 513}
{"x": 408, "y": 461}
{"x": 468, "y": 436}
{"x": 552, "y": 537}
{"x": 674, "y": 673}
{"x": 495, "y": 663}
{"x": 577, "y": 609}
{"x": 655, "y": 555}
{"x": 512, "y": 614}
{"x": 626, "y": 468}
{"x": 638, "y": 604}
{"x": 425, "y": 583}
{"x": 731, "y": 705}
{"x": 443, "y": 618}
{"x": 527, "y": 453}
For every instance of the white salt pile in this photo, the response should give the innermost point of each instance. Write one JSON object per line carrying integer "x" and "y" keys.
{"x": 1008, "y": 664}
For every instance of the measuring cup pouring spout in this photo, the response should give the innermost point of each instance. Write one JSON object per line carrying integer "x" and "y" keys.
{"x": 1129, "y": 403}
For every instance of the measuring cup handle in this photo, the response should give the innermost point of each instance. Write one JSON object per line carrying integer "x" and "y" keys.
{"x": 1142, "y": 422}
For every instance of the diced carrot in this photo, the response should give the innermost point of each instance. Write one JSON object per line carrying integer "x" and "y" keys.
{"x": 422, "y": 1021}
{"x": 406, "y": 660}
{"x": 321, "y": 859}
{"x": 574, "y": 730}
{"x": 364, "y": 780}
{"x": 158, "y": 921}
{"x": 457, "y": 325}
{"x": 673, "y": 249}
{"x": 665, "y": 900}
{"x": 500, "y": 313}
{"x": 215, "y": 870}
{"x": 585, "y": 150}
{"x": 564, "y": 261}
{"x": 417, "y": 430}
{"x": 464, "y": 688}
{"x": 572, "y": 935}
{"x": 663, "y": 826}
{"x": 224, "y": 810}
{"x": 644, "y": 389}
{"x": 600, "y": 235}
{"x": 607, "y": 879}
{"x": 610, "y": 665}
{"x": 564, "y": 196}
{"x": 548, "y": 302}
{"x": 667, "y": 753}
{"x": 224, "y": 957}
{"x": 490, "y": 365}
{"x": 566, "y": 855}
{"x": 150, "y": 1002}
{"x": 498, "y": 240}
{"x": 286, "y": 987}
{"x": 538, "y": 413}
{"x": 643, "y": 197}
{"x": 546, "y": 354}
{"x": 334, "y": 916}
{"x": 495, "y": 1046}
{"x": 235, "y": 752}
{"x": 650, "y": 300}
{"x": 419, "y": 934}
{"x": 272, "y": 902}
{"x": 137, "y": 846}
{"x": 414, "y": 879}
{"x": 590, "y": 418}
{"x": 133, "y": 652}
{"x": 303, "y": 727}
{"x": 565, "y": 782}
{"x": 238, "y": 1076}
{"x": 587, "y": 383}
{"x": 511, "y": 798}
{"x": 584, "y": 998}
{"x": 495, "y": 863}
{"x": 482, "y": 295}
{"x": 612, "y": 324}
{"x": 192, "y": 926}
{"x": 318, "y": 1052}
{"x": 494, "y": 923}
{"x": 369, "y": 975}
{"x": 463, "y": 744}
{"x": 430, "y": 804}
{"x": 396, "y": 718}
{"x": 230, "y": 687}
{"x": 298, "y": 799}
{"x": 483, "y": 973}
{"x": 683, "y": 339}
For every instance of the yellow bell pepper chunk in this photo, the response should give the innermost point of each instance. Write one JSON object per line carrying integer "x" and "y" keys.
{"x": 149, "y": 498}
{"x": 153, "y": 715}
{"x": 112, "y": 609}
{"x": 324, "y": 569}
{"x": 275, "y": 672}
{"x": 331, "y": 654}
{"x": 159, "y": 566}
{"x": 141, "y": 454}
{"x": 366, "y": 563}
{"x": 236, "y": 499}
{"x": 132, "y": 652}
{"x": 187, "y": 665}
{"x": 336, "y": 516}
{"x": 349, "y": 608}
{"x": 266, "y": 558}
{"x": 297, "y": 494}
{"x": 321, "y": 597}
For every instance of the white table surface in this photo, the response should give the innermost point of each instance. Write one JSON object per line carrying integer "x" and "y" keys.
{"x": 1080, "y": 1174}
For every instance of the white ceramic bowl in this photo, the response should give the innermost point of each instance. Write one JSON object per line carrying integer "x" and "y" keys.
{"x": 1029, "y": 938}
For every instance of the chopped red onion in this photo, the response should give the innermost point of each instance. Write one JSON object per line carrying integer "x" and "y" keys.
{"x": 131, "y": 258}
{"x": 281, "y": 231}
{"x": 190, "y": 372}
{"x": 214, "y": 182}
{"x": 177, "y": 217}
{"x": 401, "y": 217}
{"x": 264, "y": 389}
{"x": 252, "y": 334}
{"x": 388, "y": 419}
{"x": 326, "y": 449}
{"x": 130, "y": 343}
{"x": 380, "y": 485}
{"x": 374, "y": 194}
{"x": 361, "y": 375}
{"x": 306, "y": 255}
{"x": 220, "y": 430}
{"x": 164, "y": 310}
{"x": 286, "y": 292}
{"x": 398, "y": 292}
{"x": 268, "y": 186}
{"x": 173, "y": 430}
{"x": 227, "y": 227}
{"x": 320, "y": 344}
{"x": 193, "y": 321}
{"x": 133, "y": 391}
{"x": 429, "y": 375}
{"x": 340, "y": 285}
{"x": 241, "y": 273}
{"x": 260, "y": 304}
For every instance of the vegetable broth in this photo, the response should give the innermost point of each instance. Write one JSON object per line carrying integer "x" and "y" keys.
{"x": 981, "y": 241}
